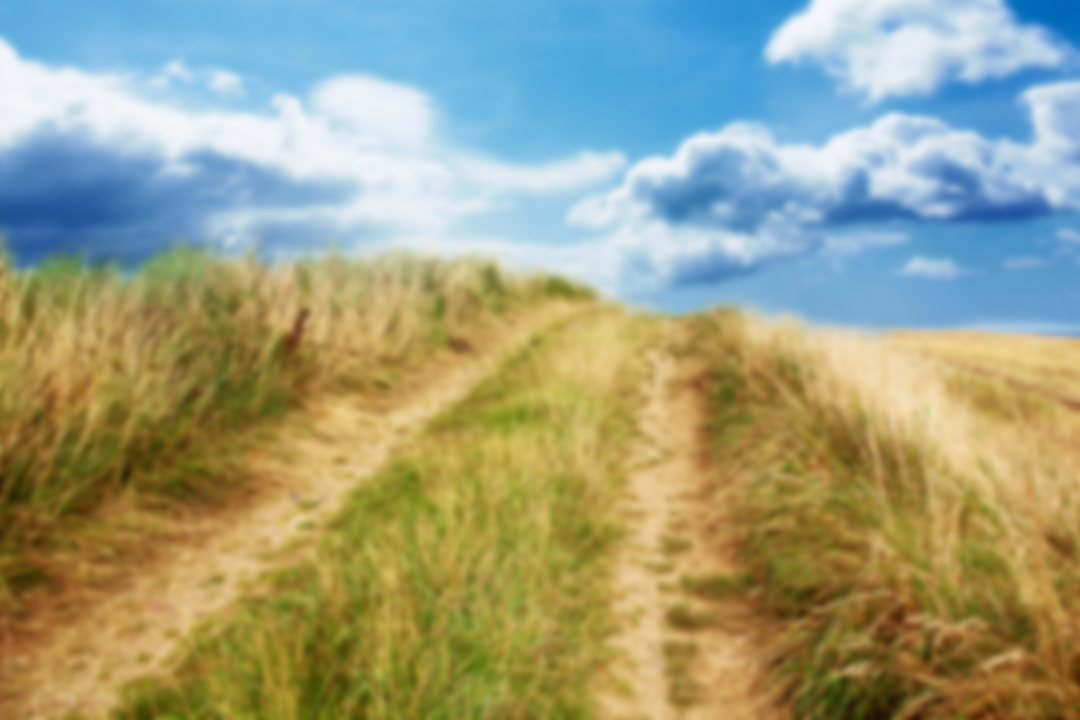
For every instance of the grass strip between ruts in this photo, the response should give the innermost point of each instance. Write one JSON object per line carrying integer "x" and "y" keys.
{"x": 468, "y": 579}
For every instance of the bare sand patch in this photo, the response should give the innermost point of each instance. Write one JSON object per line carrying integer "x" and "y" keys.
{"x": 686, "y": 651}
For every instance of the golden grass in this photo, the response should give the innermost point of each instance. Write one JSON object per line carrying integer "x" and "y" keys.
{"x": 924, "y": 554}
{"x": 1042, "y": 366}
{"x": 467, "y": 579}
{"x": 142, "y": 387}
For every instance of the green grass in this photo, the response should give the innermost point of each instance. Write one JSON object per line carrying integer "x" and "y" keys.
{"x": 685, "y": 617}
{"x": 716, "y": 587}
{"x": 469, "y": 579}
{"x": 683, "y": 689}
{"x": 673, "y": 545}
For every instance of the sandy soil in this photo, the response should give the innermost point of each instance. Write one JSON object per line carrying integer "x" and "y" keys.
{"x": 667, "y": 670}
{"x": 138, "y": 630}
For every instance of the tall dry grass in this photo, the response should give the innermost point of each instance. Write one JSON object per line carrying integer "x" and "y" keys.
{"x": 1018, "y": 378}
{"x": 113, "y": 385}
{"x": 469, "y": 579}
{"x": 922, "y": 554}
{"x": 1050, "y": 364}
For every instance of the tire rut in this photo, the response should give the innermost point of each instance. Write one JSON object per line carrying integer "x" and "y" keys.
{"x": 681, "y": 655}
{"x": 140, "y": 630}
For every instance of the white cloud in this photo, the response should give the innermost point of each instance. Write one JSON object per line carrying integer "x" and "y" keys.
{"x": 1068, "y": 235}
{"x": 363, "y": 160}
{"x": 1023, "y": 263}
{"x": 376, "y": 109}
{"x": 856, "y": 242}
{"x": 585, "y": 168}
{"x": 900, "y": 167}
{"x": 742, "y": 182}
{"x": 175, "y": 71}
{"x": 224, "y": 82}
{"x": 178, "y": 72}
{"x": 932, "y": 268}
{"x": 654, "y": 255}
{"x": 892, "y": 48}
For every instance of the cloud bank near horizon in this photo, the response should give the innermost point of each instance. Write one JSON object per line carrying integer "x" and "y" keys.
{"x": 113, "y": 164}
{"x": 737, "y": 200}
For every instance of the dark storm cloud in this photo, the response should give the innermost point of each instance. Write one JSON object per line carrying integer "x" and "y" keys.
{"x": 67, "y": 192}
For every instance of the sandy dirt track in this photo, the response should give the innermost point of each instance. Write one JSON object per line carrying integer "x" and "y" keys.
{"x": 138, "y": 630}
{"x": 666, "y": 670}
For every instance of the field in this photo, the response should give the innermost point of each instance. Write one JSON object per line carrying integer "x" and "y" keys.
{"x": 1045, "y": 367}
{"x": 410, "y": 488}
{"x": 130, "y": 405}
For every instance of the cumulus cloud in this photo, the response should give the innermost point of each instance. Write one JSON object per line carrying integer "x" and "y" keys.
{"x": 931, "y": 268}
{"x": 1068, "y": 235}
{"x": 781, "y": 200}
{"x": 654, "y": 255}
{"x": 376, "y": 110}
{"x": 90, "y": 161}
{"x": 583, "y": 169}
{"x": 175, "y": 71}
{"x": 893, "y": 48}
{"x": 225, "y": 82}
{"x": 121, "y": 205}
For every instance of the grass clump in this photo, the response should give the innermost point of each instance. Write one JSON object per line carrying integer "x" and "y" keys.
{"x": 468, "y": 579}
{"x": 674, "y": 545}
{"x": 686, "y": 617}
{"x": 139, "y": 387}
{"x": 683, "y": 689}
{"x": 921, "y": 552}
{"x": 716, "y": 587}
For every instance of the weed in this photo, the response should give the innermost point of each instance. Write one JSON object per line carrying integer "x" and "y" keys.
{"x": 685, "y": 617}
{"x": 674, "y": 545}
{"x": 716, "y": 587}
{"x": 683, "y": 690}
{"x": 660, "y": 568}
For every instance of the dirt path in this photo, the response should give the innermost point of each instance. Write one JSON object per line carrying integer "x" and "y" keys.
{"x": 138, "y": 630}
{"x": 685, "y": 654}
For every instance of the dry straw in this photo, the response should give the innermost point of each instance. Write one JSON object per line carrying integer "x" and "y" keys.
{"x": 137, "y": 386}
{"x": 922, "y": 552}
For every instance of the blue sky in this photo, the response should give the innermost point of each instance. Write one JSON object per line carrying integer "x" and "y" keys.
{"x": 867, "y": 162}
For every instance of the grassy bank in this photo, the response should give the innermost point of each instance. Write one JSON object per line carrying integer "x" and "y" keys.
{"x": 140, "y": 387}
{"x": 469, "y": 579}
{"x": 920, "y": 552}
